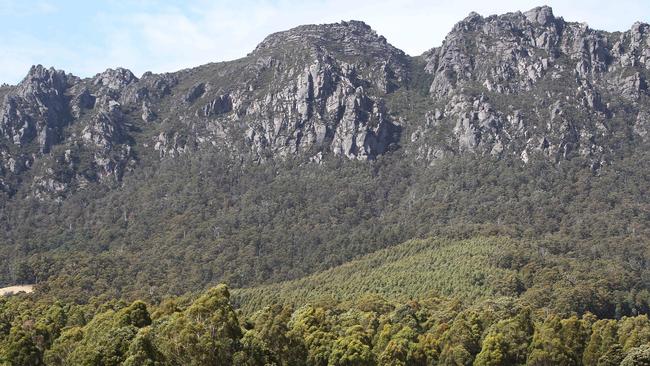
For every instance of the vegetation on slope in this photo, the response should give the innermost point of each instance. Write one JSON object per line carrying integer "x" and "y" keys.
{"x": 209, "y": 220}
{"x": 469, "y": 270}
{"x": 463, "y": 269}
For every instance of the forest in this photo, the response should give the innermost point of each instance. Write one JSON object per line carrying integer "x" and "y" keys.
{"x": 207, "y": 330}
{"x": 472, "y": 261}
{"x": 209, "y": 220}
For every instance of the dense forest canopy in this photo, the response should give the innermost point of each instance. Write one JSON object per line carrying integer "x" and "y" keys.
{"x": 206, "y": 330}
{"x": 275, "y": 223}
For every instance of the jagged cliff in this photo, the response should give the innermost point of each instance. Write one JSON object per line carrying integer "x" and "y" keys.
{"x": 517, "y": 85}
{"x": 525, "y": 83}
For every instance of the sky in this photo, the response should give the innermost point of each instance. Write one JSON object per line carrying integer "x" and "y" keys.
{"x": 88, "y": 36}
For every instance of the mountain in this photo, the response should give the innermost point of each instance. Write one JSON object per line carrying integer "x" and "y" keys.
{"x": 324, "y": 144}
{"x": 532, "y": 83}
{"x": 331, "y": 200}
{"x": 312, "y": 89}
{"x": 515, "y": 84}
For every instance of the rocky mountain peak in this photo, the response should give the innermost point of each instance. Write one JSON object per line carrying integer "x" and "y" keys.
{"x": 542, "y": 63}
{"x": 41, "y": 79}
{"x": 542, "y": 15}
{"x": 114, "y": 79}
{"x": 471, "y": 18}
{"x": 325, "y": 96}
{"x": 36, "y": 109}
{"x": 347, "y": 38}
{"x": 639, "y": 28}
{"x": 39, "y": 72}
{"x": 533, "y": 19}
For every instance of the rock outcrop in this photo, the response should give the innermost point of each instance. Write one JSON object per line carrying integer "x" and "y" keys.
{"x": 526, "y": 83}
{"x": 37, "y": 110}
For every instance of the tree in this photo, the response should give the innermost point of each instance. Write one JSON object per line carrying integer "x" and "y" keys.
{"x": 507, "y": 341}
{"x": 494, "y": 351}
{"x": 254, "y": 351}
{"x": 634, "y": 332}
{"x": 547, "y": 347}
{"x": 352, "y": 350}
{"x": 427, "y": 350}
{"x": 573, "y": 336}
{"x": 20, "y": 349}
{"x": 400, "y": 349}
{"x": 63, "y": 346}
{"x": 460, "y": 343}
{"x": 104, "y": 341}
{"x": 142, "y": 352}
{"x": 208, "y": 332}
{"x": 638, "y": 356}
{"x": 271, "y": 326}
{"x": 603, "y": 342}
{"x": 313, "y": 325}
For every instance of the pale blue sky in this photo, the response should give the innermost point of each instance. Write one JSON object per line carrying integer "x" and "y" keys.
{"x": 86, "y": 37}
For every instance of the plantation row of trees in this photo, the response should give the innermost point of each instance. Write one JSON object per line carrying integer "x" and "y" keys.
{"x": 533, "y": 271}
{"x": 206, "y": 330}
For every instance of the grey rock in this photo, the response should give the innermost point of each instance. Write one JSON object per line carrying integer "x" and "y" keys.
{"x": 195, "y": 92}
{"x": 220, "y": 105}
{"x": 114, "y": 79}
{"x": 37, "y": 110}
{"x": 542, "y": 15}
{"x": 147, "y": 114}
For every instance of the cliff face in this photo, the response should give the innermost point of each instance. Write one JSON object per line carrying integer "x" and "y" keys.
{"x": 527, "y": 83}
{"x": 514, "y": 85}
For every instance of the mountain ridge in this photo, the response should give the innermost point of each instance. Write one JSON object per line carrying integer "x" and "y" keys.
{"x": 326, "y": 89}
{"x": 324, "y": 144}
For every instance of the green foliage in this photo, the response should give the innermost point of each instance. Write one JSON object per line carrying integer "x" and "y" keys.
{"x": 206, "y": 330}
{"x": 472, "y": 269}
{"x": 105, "y": 340}
{"x": 603, "y": 344}
{"x": 352, "y": 349}
{"x": 21, "y": 350}
{"x": 507, "y": 341}
{"x": 254, "y": 351}
{"x": 460, "y": 343}
{"x": 415, "y": 268}
{"x": 547, "y": 347}
{"x": 142, "y": 352}
{"x": 639, "y": 356}
{"x": 634, "y": 332}
{"x": 206, "y": 218}
{"x": 271, "y": 329}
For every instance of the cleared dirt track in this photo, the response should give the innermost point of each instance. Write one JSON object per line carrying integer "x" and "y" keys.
{"x": 16, "y": 289}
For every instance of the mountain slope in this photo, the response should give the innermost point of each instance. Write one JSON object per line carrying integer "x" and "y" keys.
{"x": 324, "y": 144}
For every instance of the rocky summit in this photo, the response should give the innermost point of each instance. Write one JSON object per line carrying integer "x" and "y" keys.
{"x": 518, "y": 84}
